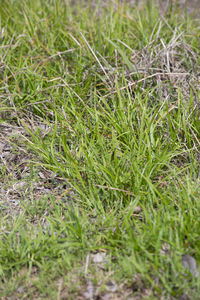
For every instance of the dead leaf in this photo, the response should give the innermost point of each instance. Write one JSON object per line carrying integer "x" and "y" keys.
{"x": 99, "y": 258}
{"x": 137, "y": 209}
{"x": 189, "y": 263}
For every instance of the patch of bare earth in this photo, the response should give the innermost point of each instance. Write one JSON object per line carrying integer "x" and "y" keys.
{"x": 192, "y": 6}
{"x": 20, "y": 182}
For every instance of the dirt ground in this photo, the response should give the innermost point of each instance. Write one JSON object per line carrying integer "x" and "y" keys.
{"x": 192, "y": 6}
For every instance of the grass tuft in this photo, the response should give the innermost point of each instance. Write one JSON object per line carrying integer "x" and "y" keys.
{"x": 100, "y": 143}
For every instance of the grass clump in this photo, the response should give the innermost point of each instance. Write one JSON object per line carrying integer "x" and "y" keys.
{"x": 108, "y": 114}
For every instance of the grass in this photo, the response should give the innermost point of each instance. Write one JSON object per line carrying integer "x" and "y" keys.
{"x": 102, "y": 109}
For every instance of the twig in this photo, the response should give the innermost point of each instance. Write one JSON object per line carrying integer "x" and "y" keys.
{"x": 86, "y": 264}
{"x": 114, "y": 189}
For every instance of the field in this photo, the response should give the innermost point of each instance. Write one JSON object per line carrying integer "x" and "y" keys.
{"x": 99, "y": 150}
